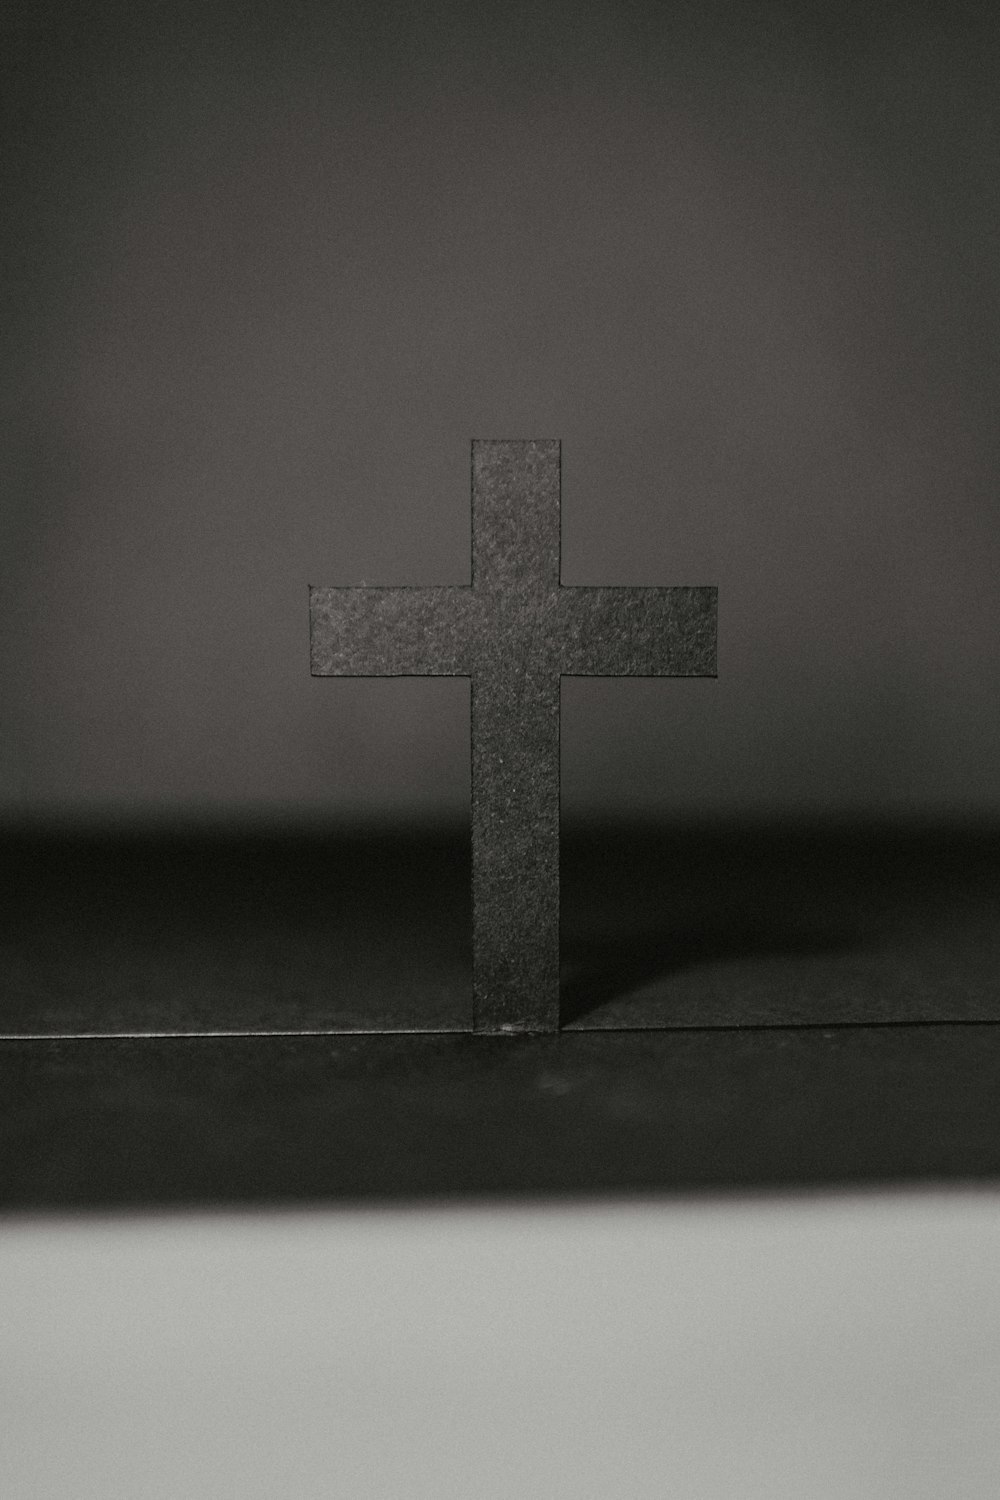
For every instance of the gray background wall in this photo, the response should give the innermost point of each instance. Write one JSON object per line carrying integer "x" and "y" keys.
{"x": 267, "y": 274}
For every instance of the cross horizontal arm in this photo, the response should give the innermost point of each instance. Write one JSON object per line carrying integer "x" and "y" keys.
{"x": 395, "y": 632}
{"x": 638, "y": 632}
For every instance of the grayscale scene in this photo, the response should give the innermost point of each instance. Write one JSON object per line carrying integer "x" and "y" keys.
{"x": 499, "y": 792}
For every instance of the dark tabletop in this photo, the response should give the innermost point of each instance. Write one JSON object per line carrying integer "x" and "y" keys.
{"x": 805, "y": 1006}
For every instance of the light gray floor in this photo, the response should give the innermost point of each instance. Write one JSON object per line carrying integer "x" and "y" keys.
{"x": 827, "y": 1348}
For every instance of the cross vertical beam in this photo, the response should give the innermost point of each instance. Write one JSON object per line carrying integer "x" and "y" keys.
{"x": 515, "y": 738}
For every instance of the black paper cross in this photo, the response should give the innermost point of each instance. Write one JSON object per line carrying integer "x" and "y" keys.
{"x": 515, "y": 631}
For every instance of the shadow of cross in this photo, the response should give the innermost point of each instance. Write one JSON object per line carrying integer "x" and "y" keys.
{"x": 515, "y": 631}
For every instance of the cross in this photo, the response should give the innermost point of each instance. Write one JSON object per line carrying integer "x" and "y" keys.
{"x": 515, "y": 631}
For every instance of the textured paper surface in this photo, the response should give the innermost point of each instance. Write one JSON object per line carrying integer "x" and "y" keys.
{"x": 515, "y": 631}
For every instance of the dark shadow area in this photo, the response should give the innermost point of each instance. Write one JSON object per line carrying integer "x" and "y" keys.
{"x": 779, "y": 924}
{"x": 202, "y": 929}
{"x": 599, "y": 972}
{"x": 186, "y": 931}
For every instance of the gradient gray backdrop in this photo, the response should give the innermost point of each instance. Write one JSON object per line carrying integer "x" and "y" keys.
{"x": 266, "y": 275}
